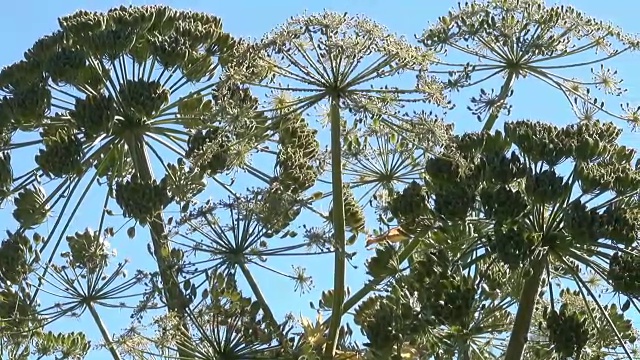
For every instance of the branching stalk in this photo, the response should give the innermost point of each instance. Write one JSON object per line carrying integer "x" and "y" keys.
{"x": 413, "y": 244}
{"x": 103, "y": 331}
{"x": 176, "y": 300}
{"x": 253, "y": 284}
{"x": 373, "y": 283}
{"x": 500, "y": 101}
{"x": 526, "y": 306}
{"x": 338, "y": 228}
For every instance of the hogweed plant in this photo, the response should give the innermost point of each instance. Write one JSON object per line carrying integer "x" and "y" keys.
{"x": 516, "y": 39}
{"x": 111, "y": 93}
{"x": 547, "y": 331}
{"x": 504, "y": 201}
{"x": 100, "y": 98}
{"x": 489, "y": 244}
{"x": 343, "y": 62}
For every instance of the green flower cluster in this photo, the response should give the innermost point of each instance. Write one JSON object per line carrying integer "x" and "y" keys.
{"x": 409, "y": 205}
{"x": 62, "y": 154}
{"x": 445, "y": 293}
{"x": 85, "y": 54}
{"x": 298, "y": 149}
{"x": 18, "y": 316}
{"x": 175, "y": 39}
{"x": 511, "y": 181}
{"x": 94, "y": 114}
{"x": 14, "y": 258}
{"x": 31, "y": 207}
{"x": 353, "y": 214}
{"x": 28, "y": 98}
{"x": 434, "y": 293}
{"x": 88, "y": 251}
{"x": 141, "y": 99}
{"x": 142, "y": 200}
{"x": 568, "y": 331}
{"x": 238, "y": 108}
{"x": 624, "y": 273}
{"x": 511, "y": 189}
{"x": 512, "y": 243}
{"x": 6, "y": 175}
{"x": 455, "y": 183}
{"x": 381, "y": 320}
{"x": 277, "y": 208}
{"x": 210, "y": 149}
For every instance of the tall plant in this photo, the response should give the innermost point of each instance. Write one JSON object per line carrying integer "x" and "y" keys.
{"x": 331, "y": 59}
{"x": 482, "y": 225}
{"x": 109, "y": 94}
{"x": 517, "y": 39}
{"x": 512, "y": 225}
{"x": 527, "y": 38}
{"x": 101, "y": 98}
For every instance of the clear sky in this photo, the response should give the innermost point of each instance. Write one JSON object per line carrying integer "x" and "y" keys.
{"x": 24, "y": 21}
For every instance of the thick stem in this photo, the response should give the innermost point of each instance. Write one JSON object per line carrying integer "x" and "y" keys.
{"x": 526, "y": 306}
{"x": 176, "y": 299}
{"x": 104, "y": 332}
{"x": 502, "y": 97}
{"x": 253, "y": 284}
{"x": 339, "y": 235}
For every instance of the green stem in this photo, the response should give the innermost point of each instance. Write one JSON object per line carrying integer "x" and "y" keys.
{"x": 176, "y": 299}
{"x": 526, "y": 306}
{"x": 103, "y": 331}
{"x": 502, "y": 97}
{"x": 413, "y": 244}
{"x": 339, "y": 279}
{"x": 338, "y": 227}
{"x": 253, "y": 284}
{"x": 373, "y": 283}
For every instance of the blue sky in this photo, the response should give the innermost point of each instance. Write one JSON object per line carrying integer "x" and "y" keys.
{"x": 24, "y": 21}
